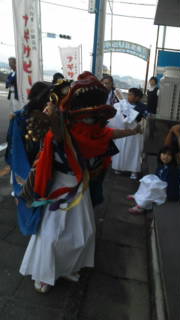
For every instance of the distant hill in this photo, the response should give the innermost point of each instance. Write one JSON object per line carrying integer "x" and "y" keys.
{"x": 123, "y": 82}
{"x": 126, "y": 82}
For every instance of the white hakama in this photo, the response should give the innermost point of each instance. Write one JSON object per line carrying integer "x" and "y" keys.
{"x": 65, "y": 242}
{"x": 151, "y": 190}
{"x": 129, "y": 157}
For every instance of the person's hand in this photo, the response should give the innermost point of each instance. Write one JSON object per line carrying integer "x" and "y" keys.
{"x": 16, "y": 201}
{"x": 138, "y": 129}
{"x": 11, "y": 116}
{"x": 6, "y": 170}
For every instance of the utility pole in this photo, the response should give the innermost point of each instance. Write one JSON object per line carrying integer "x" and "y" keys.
{"x": 98, "y": 48}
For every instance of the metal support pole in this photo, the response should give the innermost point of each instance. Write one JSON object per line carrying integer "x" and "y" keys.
{"x": 164, "y": 37}
{"x": 98, "y": 48}
{"x": 155, "y": 58}
{"x": 95, "y": 36}
{"x": 147, "y": 71}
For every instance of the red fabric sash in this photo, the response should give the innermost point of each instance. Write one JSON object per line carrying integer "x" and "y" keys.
{"x": 92, "y": 140}
{"x": 44, "y": 166}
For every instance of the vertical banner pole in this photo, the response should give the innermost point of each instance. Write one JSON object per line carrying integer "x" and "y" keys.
{"x": 95, "y": 36}
{"x": 147, "y": 71}
{"x": 98, "y": 50}
{"x": 111, "y": 52}
{"x": 155, "y": 57}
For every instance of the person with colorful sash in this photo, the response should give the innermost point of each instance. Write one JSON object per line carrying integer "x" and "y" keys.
{"x": 21, "y": 152}
{"x": 23, "y": 147}
{"x": 77, "y": 146}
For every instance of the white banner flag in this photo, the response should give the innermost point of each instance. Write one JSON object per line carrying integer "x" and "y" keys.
{"x": 71, "y": 62}
{"x": 26, "y": 14}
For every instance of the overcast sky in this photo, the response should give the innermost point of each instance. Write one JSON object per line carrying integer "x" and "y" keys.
{"x": 79, "y": 24}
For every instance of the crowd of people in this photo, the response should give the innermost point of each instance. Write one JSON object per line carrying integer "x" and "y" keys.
{"x": 60, "y": 145}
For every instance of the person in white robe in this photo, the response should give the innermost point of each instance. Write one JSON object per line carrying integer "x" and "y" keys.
{"x": 65, "y": 242}
{"x": 129, "y": 112}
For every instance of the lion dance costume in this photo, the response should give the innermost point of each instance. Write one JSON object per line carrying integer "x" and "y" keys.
{"x": 76, "y": 153}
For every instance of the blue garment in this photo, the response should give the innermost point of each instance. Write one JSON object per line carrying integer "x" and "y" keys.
{"x": 11, "y": 82}
{"x": 28, "y": 218}
{"x": 142, "y": 109}
{"x": 152, "y": 100}
{"x": 171, "y": 175}
{"x": 16, "y": 156}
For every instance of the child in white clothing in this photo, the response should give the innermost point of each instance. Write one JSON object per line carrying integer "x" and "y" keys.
{"x": 156, "y": 188}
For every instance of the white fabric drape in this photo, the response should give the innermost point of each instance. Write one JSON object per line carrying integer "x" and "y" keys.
{"x": 65, "y": 242}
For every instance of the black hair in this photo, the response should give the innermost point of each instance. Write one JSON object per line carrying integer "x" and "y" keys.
{"x": 57, "y": 76}
{"x": 155, "y": 79}
{"x": 38, "y": 97}
{"x": 170, "y": 150}
{"x": 12, "y": 58}
{"x": 136, "y": 92}
{"x": 107, "y": 77}
{"x": 36, "y": 89}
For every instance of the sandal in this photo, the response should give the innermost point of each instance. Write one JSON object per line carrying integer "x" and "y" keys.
{"x": 72, "y": 277}
{"x": 41, "y": 287}
{"x": 130, "y": 197}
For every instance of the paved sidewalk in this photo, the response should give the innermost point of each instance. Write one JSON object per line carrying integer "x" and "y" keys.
{"x": 117, "y": 289}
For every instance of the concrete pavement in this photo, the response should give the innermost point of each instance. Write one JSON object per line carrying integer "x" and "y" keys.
{"x": 116, "y": 289}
